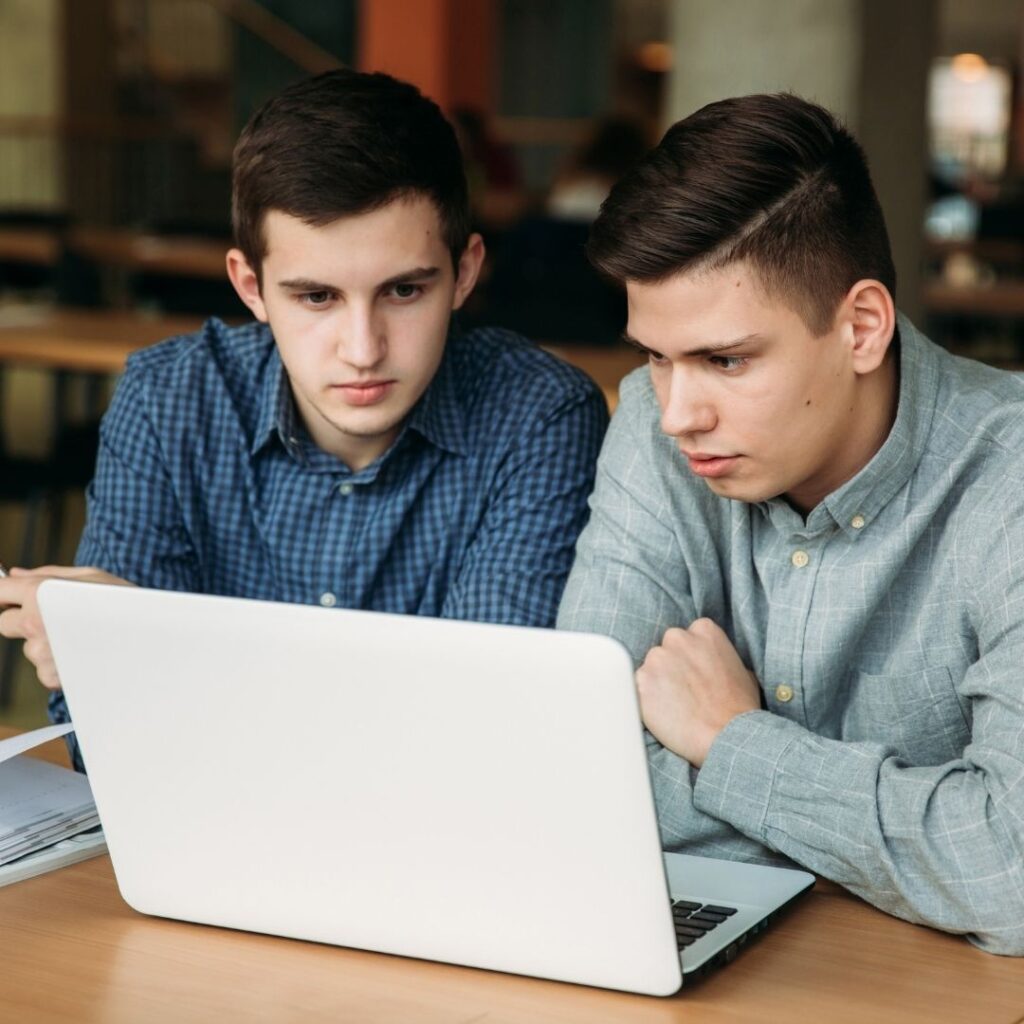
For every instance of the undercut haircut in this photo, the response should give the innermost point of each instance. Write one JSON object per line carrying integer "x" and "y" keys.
{"x": 772, "y": 180}
{"x": 345, "y": 143}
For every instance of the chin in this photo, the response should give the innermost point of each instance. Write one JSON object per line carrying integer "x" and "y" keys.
{"x": 368, "y": 427}
{"x": 740, "y": 490}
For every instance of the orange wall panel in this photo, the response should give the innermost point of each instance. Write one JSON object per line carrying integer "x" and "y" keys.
{"x": 446, "y": 47}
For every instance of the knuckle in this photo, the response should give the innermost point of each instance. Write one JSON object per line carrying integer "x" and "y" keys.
{"x": 35, "y": 651}
{"x": 13, "y": 624}
{"x": 704, "y": 628}
{"x": 655, "y": 659}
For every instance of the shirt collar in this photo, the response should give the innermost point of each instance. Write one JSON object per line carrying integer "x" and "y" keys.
{"x": 439, "y": 415}
{"x": 276, "y": 415}
{"x": 855, "y": 505}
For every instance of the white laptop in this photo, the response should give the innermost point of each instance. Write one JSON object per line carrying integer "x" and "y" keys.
{"x": 460, "y": 792}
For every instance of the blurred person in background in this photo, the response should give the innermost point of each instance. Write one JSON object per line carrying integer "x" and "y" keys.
{"x": 612, "y": 147}
{"x": 542, "y": 283}
{"x": 497, "y": 197}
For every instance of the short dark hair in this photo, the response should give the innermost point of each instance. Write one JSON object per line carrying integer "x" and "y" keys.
{"x": 771, "y": 179}
{"x": 344, "y": 143}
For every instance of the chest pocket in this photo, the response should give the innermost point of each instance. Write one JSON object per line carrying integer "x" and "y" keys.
{"x": 917, "y": 713}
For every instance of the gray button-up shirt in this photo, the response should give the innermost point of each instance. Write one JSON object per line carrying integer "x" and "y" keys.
{"x": 887, "y": 632}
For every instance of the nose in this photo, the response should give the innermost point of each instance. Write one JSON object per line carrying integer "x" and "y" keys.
{"x": 362, "y": 340}
{"x": 686, "y": 407}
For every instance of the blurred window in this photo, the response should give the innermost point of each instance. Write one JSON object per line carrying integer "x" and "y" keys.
{"x": 969, "y": 117}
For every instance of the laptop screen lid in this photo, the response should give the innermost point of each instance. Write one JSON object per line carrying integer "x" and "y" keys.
{"x": 462, "y": 792}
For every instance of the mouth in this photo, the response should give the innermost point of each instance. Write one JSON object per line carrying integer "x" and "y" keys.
{"x": 368, "y": 392}
{"x": 709, "y": 466}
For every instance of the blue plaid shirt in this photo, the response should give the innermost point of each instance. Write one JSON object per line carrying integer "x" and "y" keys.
{"x": 207, "y": 481}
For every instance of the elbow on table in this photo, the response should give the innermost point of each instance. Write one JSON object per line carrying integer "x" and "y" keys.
{"x": 1002, "y": 940}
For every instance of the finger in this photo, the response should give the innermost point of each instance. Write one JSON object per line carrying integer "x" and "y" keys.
{"x": 681, "y": 643}
{"x": 12, "y": 590}
{"x": 673, "y": 635}
{"x": 17, "y": 572}
{"x": 704, "y": 627}
{"x": 38, "y": 652}
{"x": 12, "y": 623}
{"x": 48, "y": 676}
{"x": 659, "y": 659}
{"x": 66, "y": 572}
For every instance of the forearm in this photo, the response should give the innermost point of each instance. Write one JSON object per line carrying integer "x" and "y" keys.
{"x": 935, "y": 845}
{"x": 684, "y": 827}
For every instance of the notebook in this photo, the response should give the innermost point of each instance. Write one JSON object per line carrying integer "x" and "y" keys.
{"x": 47, "y": 815}
{"x": 468, "y": 793}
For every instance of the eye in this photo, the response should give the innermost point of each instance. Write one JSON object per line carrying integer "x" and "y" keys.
{"x": 404, "y": 291}
{"x": 728, "y": 363}
{"x": 315, "y": 300}
{"x": 656, "y": 358}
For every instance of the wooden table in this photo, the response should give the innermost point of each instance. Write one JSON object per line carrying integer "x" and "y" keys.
{"x": 173, "y": 255}
{"x": 88, "y": 341}
{"x": 73, "y": 951}
{"x": 36, "y": 246}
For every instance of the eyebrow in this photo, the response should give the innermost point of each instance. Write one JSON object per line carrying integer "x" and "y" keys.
{"x": 307, "y": 284}
{"x": 703, "y": 350}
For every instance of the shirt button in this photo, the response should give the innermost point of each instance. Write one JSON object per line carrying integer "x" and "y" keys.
{"x": 345, "y": 490}
{"x": 800, "y": 559}
{"x": 327, "y": 599}
{"x": 784, "y": 693}
{"x": 857, "y": 522}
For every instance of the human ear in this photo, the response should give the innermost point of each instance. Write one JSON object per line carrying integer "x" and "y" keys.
{"x": 869, "y": 320}
{"x": 470, "y": 262}
{"x": 245, "y": 281}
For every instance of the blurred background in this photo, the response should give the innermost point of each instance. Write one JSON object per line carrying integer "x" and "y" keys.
{"x": 118, "y": 117}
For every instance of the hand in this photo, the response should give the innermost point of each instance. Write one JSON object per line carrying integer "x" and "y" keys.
{"x": 692, "y": 686}
{"x": 21, "y": 620}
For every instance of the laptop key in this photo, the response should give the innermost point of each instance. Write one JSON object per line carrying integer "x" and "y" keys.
{"x": 687, "y": 905}
{"x": 704, "y": 926}
{"x": 689, "y": 933}
{"x": 711, "y": 908}
{"x": 703, "y": 915}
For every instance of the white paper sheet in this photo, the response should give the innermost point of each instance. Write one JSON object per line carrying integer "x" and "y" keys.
{"x": 27, "y": 740}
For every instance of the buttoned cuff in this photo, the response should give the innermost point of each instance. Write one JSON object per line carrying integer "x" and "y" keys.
{"x": 737, "y": 780}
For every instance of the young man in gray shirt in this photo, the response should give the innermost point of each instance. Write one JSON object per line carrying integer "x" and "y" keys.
{"x": 808, "y": 529}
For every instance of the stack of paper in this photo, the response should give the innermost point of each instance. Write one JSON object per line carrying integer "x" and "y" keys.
{"x": 40, "y": 803}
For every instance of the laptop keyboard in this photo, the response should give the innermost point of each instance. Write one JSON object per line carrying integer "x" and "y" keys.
{"x": 693, "y": 920}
